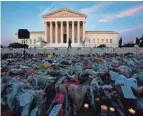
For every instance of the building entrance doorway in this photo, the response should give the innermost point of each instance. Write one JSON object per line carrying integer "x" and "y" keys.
{"x": 65, "y": 38}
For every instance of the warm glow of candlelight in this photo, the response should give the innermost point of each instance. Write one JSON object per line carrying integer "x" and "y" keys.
{"x": 86, "y": 105}
{"x": 104, "y": 108}
{"x": 112, "y": 109}
{"x": 97, "y": 99}
{"x": 132, "y": 111}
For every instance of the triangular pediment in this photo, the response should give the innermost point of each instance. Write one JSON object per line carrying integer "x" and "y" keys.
{"x": 64, "y": 13}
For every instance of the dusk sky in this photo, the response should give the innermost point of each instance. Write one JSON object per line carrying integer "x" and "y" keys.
{"x": 123, "y": 17}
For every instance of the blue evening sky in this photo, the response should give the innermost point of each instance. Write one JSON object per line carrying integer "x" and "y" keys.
{"x": 124, "y": 17}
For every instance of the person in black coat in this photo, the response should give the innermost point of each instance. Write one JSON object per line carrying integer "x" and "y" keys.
{"x": 69, "y": 43}
{"x": 120, "y": 42}
{"x": 137, "y": 41}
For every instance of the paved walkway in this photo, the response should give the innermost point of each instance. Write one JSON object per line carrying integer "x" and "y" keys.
{"x": 75, "y": 50}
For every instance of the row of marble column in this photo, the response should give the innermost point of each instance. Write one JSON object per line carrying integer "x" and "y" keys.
{"x": 61, "y": 31}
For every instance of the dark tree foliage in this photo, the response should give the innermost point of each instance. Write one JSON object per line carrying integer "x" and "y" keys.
{"x": 1, "y": 46}
{"x": 17, "y": 45}
{"x": 101, "y": 46}
{"x": 128, "y": 45}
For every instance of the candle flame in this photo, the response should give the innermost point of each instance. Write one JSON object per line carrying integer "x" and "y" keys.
{"x": 86, "y": 105}
{"x": 112, "y": 109}
{"x": 103, "y": 107}
{"x": 97, "y": 99}
{"x": 132, "y": 111}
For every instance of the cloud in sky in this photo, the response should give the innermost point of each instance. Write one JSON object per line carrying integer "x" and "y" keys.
{"x": 49, "y": 9}
{"x": 93, "y": 13}
{"x": 131, "y": 29}
{"x": 58, "y": 5}
{"x": 125, "y": 13}
{"x": 87, "y": 10}
{"x": 95, "y": 8}
{"x": 97, "y": 13}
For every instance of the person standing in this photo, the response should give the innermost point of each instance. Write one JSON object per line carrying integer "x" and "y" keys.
{"x": 137, "y": 41}
{"x": 141, "y": 41}
{"x": 69, "y": 43}
{"x": 137, "y": 46}
{"x": 120, "y": 42}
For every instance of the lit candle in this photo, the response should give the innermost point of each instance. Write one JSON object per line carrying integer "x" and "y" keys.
{"x": 86, "y": 105}
{"x": 97, "y": 99}
{"x": 112, "y": 111}
{"x": 132, "y": 112}
{"x": 103, "y": 110}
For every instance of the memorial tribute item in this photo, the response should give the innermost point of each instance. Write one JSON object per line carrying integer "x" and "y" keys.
{"x": 80, "y": 85}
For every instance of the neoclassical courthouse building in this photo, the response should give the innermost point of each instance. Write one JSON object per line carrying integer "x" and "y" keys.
{"x": 63, "y": 24}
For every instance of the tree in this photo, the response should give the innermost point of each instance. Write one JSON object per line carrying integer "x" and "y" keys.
{"x": 1, "y": 46}
{"x": 17, "y": 45}
{"x": 101, "y": 46}
{"x": 128, "y": 45}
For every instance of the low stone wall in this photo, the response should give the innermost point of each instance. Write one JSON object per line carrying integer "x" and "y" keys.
{"x": 74, "y": 50}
